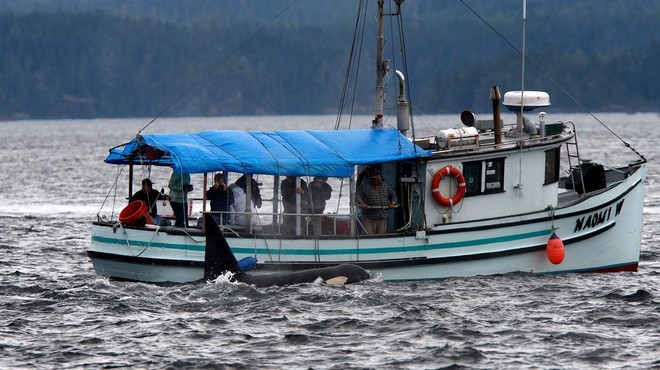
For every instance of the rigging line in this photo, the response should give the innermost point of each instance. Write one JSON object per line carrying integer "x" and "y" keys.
{"x": 357, "y": 71}
{"x": 222, "y": 62}
{"x": 208, "y": 142}
{"x": 344, "y": 91}
{"x": 393, "y": 61}
{"x": 358, "y": 62}
{"x": 404, "y": 57}
{"x": 291, "y": 148}
{"x": 405, "y": 68}
{"x": 120, "y": 169}
{"x": 546, "y": 75}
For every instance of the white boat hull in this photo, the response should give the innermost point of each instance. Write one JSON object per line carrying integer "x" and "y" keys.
{"x": 601, "y": 232}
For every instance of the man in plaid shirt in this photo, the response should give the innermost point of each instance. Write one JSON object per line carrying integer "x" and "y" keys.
{"x": 375, "y": 197}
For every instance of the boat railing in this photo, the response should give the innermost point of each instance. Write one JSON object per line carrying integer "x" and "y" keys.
{"x": 331, "y": 224}
{"x": 486, "y": 138}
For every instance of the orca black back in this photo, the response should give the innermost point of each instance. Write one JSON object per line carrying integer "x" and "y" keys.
{"x": 219, "y": 259}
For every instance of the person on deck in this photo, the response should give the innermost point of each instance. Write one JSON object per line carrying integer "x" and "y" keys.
{"x": 256, "y": 193}
{"x": 240, "y": 201}
{"x": 149, "y": 196}
{"x": 375, "y": 197}
{"x": 221, "y": 198}
{"x": 179, "y": 187}
{"x": 289, "y": 195}
{"x": 320, "y": 192}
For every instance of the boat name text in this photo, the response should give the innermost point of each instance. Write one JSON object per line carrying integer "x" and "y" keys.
{"x": 597, "y": 218}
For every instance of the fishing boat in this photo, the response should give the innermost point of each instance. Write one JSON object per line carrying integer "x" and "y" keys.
{"x": 488, "y": 197}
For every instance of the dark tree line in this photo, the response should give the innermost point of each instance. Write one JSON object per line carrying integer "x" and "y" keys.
{"x": 87, "y": 63}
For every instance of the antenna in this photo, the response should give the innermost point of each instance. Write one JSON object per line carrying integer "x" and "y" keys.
{"x": 522, "y": 80}
{"x": 521, "y": 117}
{"x": 381, "y": 69}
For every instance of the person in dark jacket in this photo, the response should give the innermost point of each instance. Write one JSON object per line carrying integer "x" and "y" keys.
{"x": 290, "y": 195}
{"x": 221, "y": 198}
{"x": 150, "y": 197}
{"x": 320, "y": 192}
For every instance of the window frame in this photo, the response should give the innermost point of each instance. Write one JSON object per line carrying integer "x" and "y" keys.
{"x": 551, "y": 178}
{"x": 482, "y": 169}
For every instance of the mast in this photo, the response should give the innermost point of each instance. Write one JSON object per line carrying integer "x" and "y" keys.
{"x": 380, "y": 71}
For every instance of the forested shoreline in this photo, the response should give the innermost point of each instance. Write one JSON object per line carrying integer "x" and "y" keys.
{"x": 88, "y": 62}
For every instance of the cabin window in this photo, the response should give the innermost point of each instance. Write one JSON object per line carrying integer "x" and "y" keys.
{"x": 551, "y": 166}
{"x": 472, "y": 174}
{"x": 494, "y": 176}
{"x": 484, "y": 177}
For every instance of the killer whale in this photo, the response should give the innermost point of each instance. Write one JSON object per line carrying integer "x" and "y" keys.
{"x": 219, "y": 259}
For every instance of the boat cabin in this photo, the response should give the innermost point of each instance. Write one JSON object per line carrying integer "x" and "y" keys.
{"x": 478, "y": 171}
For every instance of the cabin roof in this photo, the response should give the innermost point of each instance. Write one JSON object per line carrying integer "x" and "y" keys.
{"x": 332, "y": 153}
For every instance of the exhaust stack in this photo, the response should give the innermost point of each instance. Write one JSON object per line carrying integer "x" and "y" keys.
{"x": 402, "y": 105}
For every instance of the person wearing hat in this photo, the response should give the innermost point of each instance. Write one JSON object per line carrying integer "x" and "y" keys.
{"x": 375, "y": 197}
{"x": 320, "y": 192}
{"x": 150, "y": 197}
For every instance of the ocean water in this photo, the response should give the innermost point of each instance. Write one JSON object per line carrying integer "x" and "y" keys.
{"x": 55, "y": 312}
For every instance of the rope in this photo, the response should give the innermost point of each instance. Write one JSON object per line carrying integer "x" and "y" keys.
{"x": 128, "y": 244}
{"x": 150, "y": 241}
{"x": 114, "y": 186}
{"x": 551, "y": 210}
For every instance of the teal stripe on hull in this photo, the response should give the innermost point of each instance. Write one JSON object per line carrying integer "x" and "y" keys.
{"x": 347, "y": 251}
{"x": 137, "y": 243}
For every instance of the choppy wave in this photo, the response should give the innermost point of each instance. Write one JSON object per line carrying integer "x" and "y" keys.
{"x": 56, "y": 313}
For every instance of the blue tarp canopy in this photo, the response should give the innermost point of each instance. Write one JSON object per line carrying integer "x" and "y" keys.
{"x": 332, "y": 153}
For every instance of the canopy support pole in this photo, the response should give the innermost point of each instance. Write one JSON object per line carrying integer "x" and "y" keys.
{"x": 276, "y": 203}
{"x": 351, "y": 185}
{"x": 248, "y": 201}
{"x": 130, "y": 180}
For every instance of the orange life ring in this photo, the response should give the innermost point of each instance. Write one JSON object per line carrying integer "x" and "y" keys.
{"x": 460, "y": 181}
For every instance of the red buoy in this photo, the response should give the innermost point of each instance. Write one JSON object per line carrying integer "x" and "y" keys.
{"x": 555, "y": 249}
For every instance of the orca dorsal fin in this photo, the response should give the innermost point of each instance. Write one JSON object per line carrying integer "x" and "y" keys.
{"x": 218, "y": 257}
